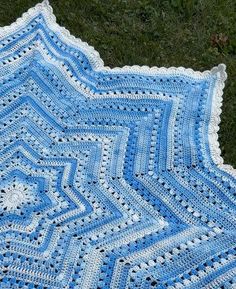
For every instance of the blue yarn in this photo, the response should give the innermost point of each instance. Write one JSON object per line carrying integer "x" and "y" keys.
{"x": 111, "y": 178}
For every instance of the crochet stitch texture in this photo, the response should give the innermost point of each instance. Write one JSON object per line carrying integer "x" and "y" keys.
{"x": 109, "y": 177}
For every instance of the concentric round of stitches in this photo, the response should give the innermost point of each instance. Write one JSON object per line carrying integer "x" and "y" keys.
{"x": 110, "y": 178}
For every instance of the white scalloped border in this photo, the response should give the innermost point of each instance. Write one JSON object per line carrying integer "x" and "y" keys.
{"x": 98, "y": 65}
{"x": 215, "y": 120}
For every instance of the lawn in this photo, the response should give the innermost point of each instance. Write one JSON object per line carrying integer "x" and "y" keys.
{"x": 196, "y": 34}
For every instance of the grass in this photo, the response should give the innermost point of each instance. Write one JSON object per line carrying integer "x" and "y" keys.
{"x": 196, "y": 34}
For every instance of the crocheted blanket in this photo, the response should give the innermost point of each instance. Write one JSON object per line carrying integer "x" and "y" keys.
{"x": 109, "y": 177}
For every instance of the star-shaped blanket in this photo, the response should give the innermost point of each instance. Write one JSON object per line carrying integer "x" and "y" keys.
{"x": 110, "y": 178}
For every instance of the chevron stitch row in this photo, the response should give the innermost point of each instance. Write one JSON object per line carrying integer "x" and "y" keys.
{"x": 110, "y": 178}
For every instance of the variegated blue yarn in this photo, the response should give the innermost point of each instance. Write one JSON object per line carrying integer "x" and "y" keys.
{"x": 109, "y": 177}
